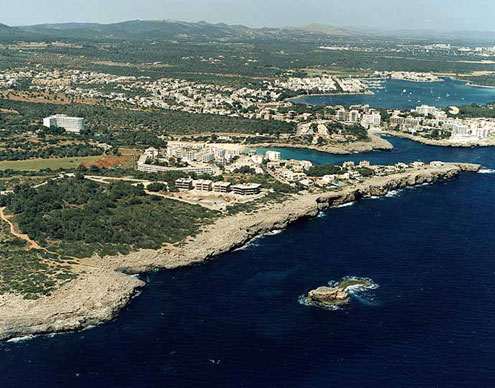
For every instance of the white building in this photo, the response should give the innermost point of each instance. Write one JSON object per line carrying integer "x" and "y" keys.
{"x": 272, "y": 155}
{"x": 258, "y": 159}
{"x": 329, "y": 178}
{"x": 151, "y": 153}
{"x": 70, "y": 124}
{"x": 305, "y": 164}
{"x": 372, "y": 120}
{"x": 426, "y": 110}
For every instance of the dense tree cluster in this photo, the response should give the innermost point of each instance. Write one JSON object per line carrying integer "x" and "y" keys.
{"x": 62, "y": 151}
{"x": 328, "y": 169}
{"x": 84, "y": 217}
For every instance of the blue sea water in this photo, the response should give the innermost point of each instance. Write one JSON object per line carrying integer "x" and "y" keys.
{"x": 236, "y": 321}
{"x": 399, "y": 94}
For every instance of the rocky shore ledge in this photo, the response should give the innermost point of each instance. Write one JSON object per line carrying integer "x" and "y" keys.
{"x": 104, "y": 285}
{"x": 442, "y": 143}
{"x": 376, "y": 143}
{"x": 338, "y": 295}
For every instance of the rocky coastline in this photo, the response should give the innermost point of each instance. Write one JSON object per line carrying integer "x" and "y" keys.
{"x": 376, "y": 143}
{"x": 337, "y": 295}
{"x": 440, "y": 143}
{"x": 104, "y": 285}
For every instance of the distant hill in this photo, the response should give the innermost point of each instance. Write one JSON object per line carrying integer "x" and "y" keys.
{"x": 12, "y": 33}
{"x": 326, "y": 29}
{"x": 176, "y": 30}
{"x": 204, "y": 32}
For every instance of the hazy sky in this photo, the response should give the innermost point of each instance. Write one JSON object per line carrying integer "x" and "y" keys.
{"x": 390, "y": 14}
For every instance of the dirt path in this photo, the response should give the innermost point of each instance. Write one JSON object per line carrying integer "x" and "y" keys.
{"x": 32, "y": 244}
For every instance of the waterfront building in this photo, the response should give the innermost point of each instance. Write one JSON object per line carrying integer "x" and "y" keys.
{"x": 247, "y": 189}
{"x": 305, "y": 164}
{"x": 70, "y": 124}
{"x": 354, "y": 116}
{"x": 426, "y": 110}
{"x": 272, "y": 155}
{"x": 372, "y": 120}
{"x": 417, "y": 164}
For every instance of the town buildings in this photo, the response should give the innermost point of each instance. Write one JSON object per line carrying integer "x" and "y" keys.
{"x": 372, "y": 120}
{"x": 184, "y": 183}
{"x": 247, "y": 189}
{"x": 203, "y": 185}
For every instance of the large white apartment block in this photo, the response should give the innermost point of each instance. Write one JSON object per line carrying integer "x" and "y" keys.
{"x": 426, "y": 110}
{"x": 372, "y": 120}
{"x": 70, "y": 124}
{"x": 272, "y": 155}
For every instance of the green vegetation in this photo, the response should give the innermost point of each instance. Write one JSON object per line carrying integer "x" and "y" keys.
{"x": 25, "y": 153}
{"x": 40, "y": 164}
{"x": 29, "y": 273}
{"x": 328, "y": 169}
{"x": 76, "y": 217}
{"x": 475, "y": 110}
{"x": 129, "y": 127}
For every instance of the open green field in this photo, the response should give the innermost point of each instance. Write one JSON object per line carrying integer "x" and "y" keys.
{"x": 54, "y": 164}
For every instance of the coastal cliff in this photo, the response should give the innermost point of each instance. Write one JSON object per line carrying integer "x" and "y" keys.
{"x": 232, "y": 232}
{"x": 376, "y": 143}
{"x": 96, "y": 296}
{"x": 103, "y": 287}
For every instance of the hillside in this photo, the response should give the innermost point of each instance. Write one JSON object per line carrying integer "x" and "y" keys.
{"x": 12, "y": 33}
{"x": 177, "y": 30}
{"x": 326, "y": 30}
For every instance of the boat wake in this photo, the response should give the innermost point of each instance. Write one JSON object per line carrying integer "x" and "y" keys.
{"x": 486, "y": 171}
